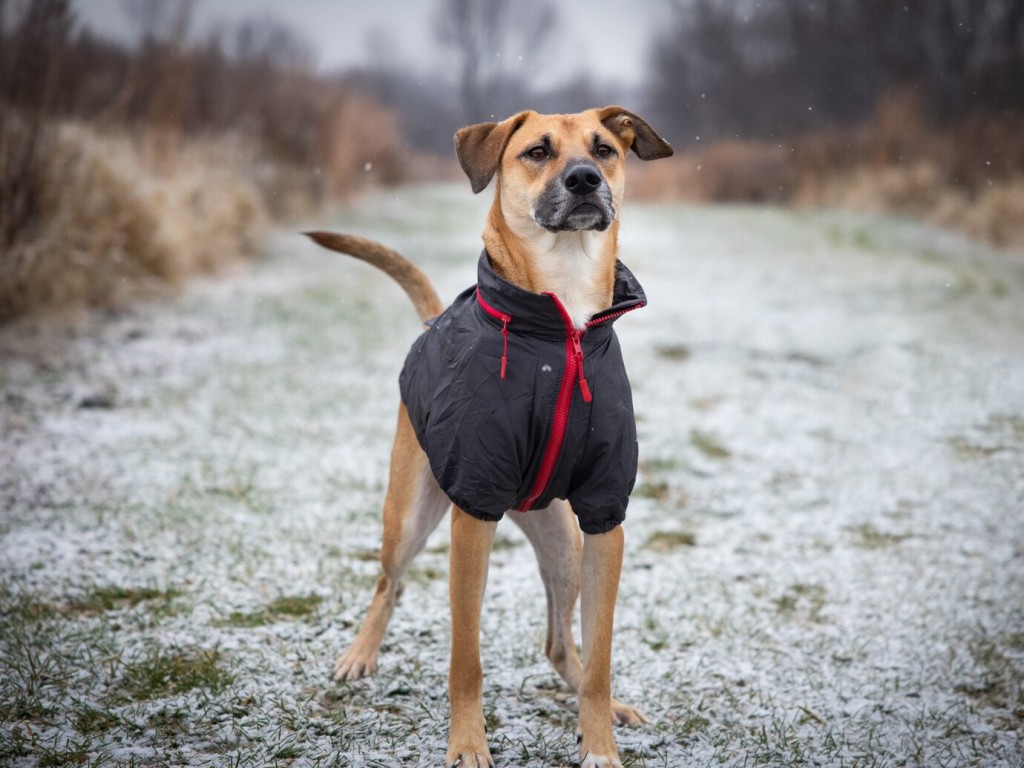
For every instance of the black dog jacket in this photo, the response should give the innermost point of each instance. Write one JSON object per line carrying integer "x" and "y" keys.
{"x": 514, "y": 407}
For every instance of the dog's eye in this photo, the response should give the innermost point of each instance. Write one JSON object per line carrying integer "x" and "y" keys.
{"x": 538, "y": 153}
{"x": 605, "y": 151}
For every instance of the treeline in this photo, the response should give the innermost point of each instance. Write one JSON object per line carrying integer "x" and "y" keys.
{"x": 912, "y": 107}
{"x": 254, "y": 78}
{"x": 130, "y": 165}
{"x": 758, "y": 69}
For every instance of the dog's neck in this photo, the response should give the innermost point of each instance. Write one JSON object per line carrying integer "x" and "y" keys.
{"x": 578, "y": 267}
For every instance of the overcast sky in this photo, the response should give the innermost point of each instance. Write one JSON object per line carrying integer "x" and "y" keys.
{"x": 606, "y": 38}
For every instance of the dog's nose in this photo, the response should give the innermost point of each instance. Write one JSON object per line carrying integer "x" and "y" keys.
{"x": 582, "y": 179}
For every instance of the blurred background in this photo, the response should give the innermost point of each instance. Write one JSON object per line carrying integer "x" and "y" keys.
{"x": 142, "y": 141}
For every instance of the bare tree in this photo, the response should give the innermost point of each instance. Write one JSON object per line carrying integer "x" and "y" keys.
{"x": 754, "y": 69}
{"x": 490, "y": 40}
{"x": 159, "y": 20}
{"x": 160, "y": 67}
{"x": 32, "y": 52}
{"x": 267, "y": 42}
{"x": 33, "y": 42}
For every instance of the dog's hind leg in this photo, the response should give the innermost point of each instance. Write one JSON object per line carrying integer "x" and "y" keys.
{"x": 556, "y": 540}
{"x": 413, "y": 507}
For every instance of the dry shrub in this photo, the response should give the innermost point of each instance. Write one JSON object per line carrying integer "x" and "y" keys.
{"x": 676, "y": 178}
{"x": 112, "y": 221}
{"x": 363, "y": 145}
{"x": 729, "y": 171}
{"x": 208, "y": 209}
{"x": 968, "y": 176}
{"x": 748, "y": 171}
{"x": 915, "y": 189}
{"x": 889, "y": 164}
{"x": 900, "y": 132}
{"x": 997, "y": 215}
{"x": 984, "y": 150}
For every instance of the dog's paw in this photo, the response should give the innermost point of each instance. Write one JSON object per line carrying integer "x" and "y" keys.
{"x": 470, "y": 760}
{"x": 623, "y": 714}
{"x": 593, "y": 758}
{"x": 352, "y": 665}
{"x": 467, "y": 737}
{"x": 599, "y": 761}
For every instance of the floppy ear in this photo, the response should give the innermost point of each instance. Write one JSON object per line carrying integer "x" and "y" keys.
{"x": 480, "y": 147}
{"x": 634, "y": 132}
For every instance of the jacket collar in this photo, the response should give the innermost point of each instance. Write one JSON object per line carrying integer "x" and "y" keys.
{"x": 538, "y": 314}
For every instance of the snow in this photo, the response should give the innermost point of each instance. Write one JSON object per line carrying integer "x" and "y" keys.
{"x": 854, "y": 594}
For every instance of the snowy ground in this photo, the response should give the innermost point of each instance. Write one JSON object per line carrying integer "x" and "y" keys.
{"x": 825, "y": 552}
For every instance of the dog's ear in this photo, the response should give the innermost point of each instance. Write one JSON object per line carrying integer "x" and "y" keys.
{"x": 481, "y": 146}
{"x": 633, "y": 131}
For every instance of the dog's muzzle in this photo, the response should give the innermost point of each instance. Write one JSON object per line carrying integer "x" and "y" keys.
{"x": 579, "y": 198}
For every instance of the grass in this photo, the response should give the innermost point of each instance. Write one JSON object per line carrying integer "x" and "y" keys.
{"x": 869, "y": 536}
{"x": 110, "y": 598}
{"x": 180, "y": 569}
{"x": 666, "y": 541}
{"x": 1001, "y": 433}
{"x": 282, "y": 608}
{"x": 676, "y": 352}
{"x": 164, "y": 673}
{"x": 708, "y": 445}
{"x": 802, "y": 601}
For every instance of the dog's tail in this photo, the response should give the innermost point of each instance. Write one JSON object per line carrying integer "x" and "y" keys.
{"x": 405, "y": 273}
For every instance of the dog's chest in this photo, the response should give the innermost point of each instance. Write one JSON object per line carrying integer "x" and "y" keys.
{"x": 574, "y": 273}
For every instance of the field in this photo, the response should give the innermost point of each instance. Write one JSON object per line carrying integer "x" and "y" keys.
{"x": 825, "y": 549}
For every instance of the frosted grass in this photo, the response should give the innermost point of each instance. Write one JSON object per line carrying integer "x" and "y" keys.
{"x": 825, "y": 550}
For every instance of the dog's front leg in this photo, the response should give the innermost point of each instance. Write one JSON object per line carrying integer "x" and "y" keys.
{"x": 600, "y": 569}
{"x": 470, "y": 553}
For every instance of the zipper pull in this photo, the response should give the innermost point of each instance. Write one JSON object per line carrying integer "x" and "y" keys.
{"x": 578, "y": 349}
{"x": 504, "y": 352}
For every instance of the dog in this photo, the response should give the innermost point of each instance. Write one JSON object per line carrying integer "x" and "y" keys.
{"x": 515, "y": 398}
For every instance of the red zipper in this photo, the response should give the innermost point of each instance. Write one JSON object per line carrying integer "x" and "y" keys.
{"x": 614, "y": 315}
{"x": 577, "y": 349}
{"x": 573, "y": 370}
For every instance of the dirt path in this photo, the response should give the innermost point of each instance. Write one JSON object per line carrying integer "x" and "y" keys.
{"x": 825, "y": 558}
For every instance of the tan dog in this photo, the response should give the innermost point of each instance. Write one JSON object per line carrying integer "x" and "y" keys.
{"x": 552, "y": 229}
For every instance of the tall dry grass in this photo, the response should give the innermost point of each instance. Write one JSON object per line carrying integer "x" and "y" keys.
{"x": 114, "y": 215}
{"x": 967, "y": 176}
{"x": 726, "y": 171}
{"x": 125, "y": 169}
{"x": 93, "y": 214}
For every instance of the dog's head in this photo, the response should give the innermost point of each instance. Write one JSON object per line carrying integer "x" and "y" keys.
{"x": 563, "y": 172}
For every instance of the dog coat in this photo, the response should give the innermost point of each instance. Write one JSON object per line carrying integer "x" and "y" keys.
{"x": 515, "y": 408}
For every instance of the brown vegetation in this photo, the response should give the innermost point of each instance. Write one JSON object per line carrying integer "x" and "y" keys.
{"x": 913, "y": 107}
{"x": 110, "y": 217}
{"x": 968, "y": 176}
{"x": 125, "y": 170}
